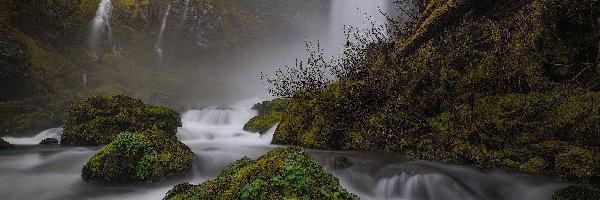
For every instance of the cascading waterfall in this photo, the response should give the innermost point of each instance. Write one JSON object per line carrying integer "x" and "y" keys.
{"x": 159, "y": 43}
{"x": 184, "y": 15}
{"x": 100, "y": 27}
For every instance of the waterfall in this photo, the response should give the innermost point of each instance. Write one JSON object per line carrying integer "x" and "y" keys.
{"x": 159, "y": 42}
{"x": 100, "y": 26}
{"x": 50, "y": 133}
{"x": 184, "y": 15}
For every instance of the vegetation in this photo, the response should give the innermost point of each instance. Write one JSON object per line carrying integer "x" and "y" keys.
{"x": 502, "y": 84}
{"x": 269, "y": 114}
{"x": 142, "y": 156}
{"x": 284, "y": 173}
{"x": 98, "y": 120}
{"x": 577, "y": 192}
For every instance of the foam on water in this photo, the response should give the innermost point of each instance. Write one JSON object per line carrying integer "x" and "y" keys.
{"x": 50, "y": 133}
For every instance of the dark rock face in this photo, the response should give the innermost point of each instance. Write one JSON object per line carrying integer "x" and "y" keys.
{"x": 4, "y": 145}
{"x": 49, "y": 141}
{"x": 577, "y": 192}
{"x": 14, "y": 68}
{"x": 98, "y": 120}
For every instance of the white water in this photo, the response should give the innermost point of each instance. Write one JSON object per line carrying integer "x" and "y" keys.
{"x": 159, "y": 42}
{"x": 216, "y": 138}
{"x": 100, "y": 27}
{"x": 50, "y": 133}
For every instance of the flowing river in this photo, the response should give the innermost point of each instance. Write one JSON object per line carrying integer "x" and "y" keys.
{"x": 216, "y": 137}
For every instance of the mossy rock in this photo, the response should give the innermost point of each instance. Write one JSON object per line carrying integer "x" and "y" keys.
{"x": 97, "y": 120}
{"x": 144, "y": 156}
{"x": 577, "y": 192}
{"x": 4, "y": 145}
{"x": 284, "y": 173}
{"x": 49, "y": 141}
{"x": 269, "y": 114}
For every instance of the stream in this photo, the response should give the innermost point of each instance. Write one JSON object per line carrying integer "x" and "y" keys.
{"x": 216, "y": 137}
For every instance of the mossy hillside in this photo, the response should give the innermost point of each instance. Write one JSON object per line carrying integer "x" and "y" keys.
{"x": 577, "y": 192}
{"x": 269, "y": 114}
{"x": 507, "y": 84}
{"x": 143, "y": 156}
{"x": 98, "y": 120}
{"x": 284, "y": 173}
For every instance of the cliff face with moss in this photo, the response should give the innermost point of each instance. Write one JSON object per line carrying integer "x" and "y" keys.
{"x": 503, "y": 84}
{"x": 46, "y": 62}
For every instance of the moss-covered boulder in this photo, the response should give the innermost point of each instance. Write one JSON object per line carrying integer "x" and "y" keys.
{"x": 269, "y": 114}
{"x": 284, "y": 173}
{"x": 98, "y": 120}
{"x": 4, "y": 145}
{"x": 577, "y": 192}
{"x": 143, "y": 156}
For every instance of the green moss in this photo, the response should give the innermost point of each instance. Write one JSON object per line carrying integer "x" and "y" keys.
{"x": 577, "y": 164}
{"x": 269, "y": 114}
{"x": 144, "y": 156}
{"x": 495, "y": 84}
{"x": 97, "y": 120}
{"x": 284, "y": 173}
{"x": 577, "y": 192}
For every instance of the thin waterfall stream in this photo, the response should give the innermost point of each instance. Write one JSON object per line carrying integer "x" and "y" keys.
{"x": 100, "y": 27}
{"x": 159, "y": 42}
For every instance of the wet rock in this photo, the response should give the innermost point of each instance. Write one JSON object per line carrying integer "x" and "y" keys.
{"x": 49, "y": 141}
{"x": 577, "y": 192}
{"x": 4, "y": 145}
{"x": 340, "y": 162}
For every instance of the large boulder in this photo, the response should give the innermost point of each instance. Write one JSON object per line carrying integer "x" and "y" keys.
{"x": 284, "y": 173}
{"x": 98, "y": 120}
{"x": 143, "y": 156}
